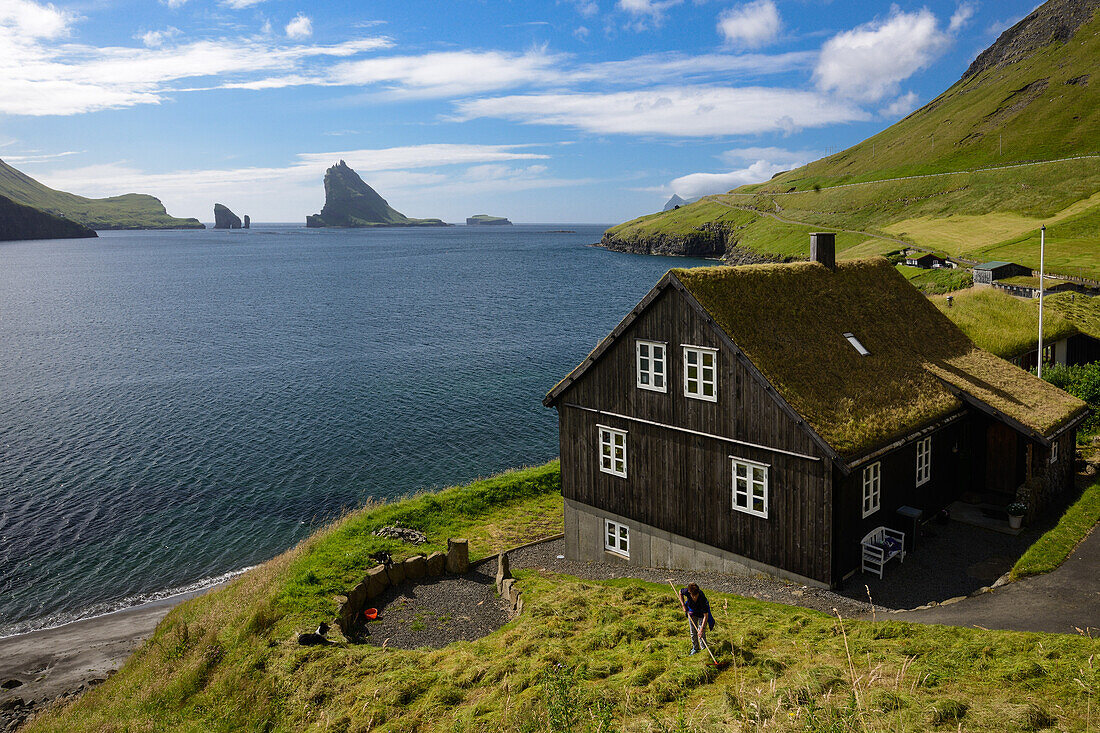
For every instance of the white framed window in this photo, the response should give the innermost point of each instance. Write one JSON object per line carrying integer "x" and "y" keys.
{"x": 750, "y": 487}
{"x": 612, "y": 451}
{"x": 652, "y": 369}
{"x": 872, "y": 488}
{"x": 1053, "y": 452}
{"x": 616, "y": 538}
{"x": 924, "y": 460}
{"x": 701, "y": 373}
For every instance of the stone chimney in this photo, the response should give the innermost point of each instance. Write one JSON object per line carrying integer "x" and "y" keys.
{"x": 823, "y": 249}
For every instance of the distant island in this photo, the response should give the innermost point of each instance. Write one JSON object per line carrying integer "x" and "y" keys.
{"x": 486, "y": 220}
{"x": 129, "y": 211}
{"x": 19, "y": 222}
{"x": 349, "y": 202}
{"x": 225, "y": 219}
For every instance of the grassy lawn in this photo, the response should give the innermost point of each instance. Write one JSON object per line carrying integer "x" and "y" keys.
{"x": 583, "y": 656}
{"x": 1051, "y": 550}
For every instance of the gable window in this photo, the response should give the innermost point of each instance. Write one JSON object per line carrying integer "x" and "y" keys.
{"x": 613, "y": 451}
{"x": 750, "y": 487}
{"x": 872, "y": 488}
{"x": 616, "y": 538}
{"x": 701, "y": 373}
{"x": 652, "y": 374}
{"x": 924, "y": 460}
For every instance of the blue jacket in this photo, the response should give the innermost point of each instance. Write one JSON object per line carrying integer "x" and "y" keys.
{"x": 698, "y": 607}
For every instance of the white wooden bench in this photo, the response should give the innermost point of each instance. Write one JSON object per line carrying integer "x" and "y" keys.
{"x": 880, "y": 546}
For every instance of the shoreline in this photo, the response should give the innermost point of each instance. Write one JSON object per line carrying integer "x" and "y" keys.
{"x": 58, "y": 664}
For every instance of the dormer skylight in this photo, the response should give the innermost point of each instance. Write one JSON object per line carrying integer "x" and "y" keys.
{"x": 856, "y": 344}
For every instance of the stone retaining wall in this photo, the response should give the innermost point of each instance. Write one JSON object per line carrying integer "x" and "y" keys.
{"x": 456, "y": 560}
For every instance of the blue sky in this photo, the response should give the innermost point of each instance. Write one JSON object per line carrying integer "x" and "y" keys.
{"x": 567, "y": 111}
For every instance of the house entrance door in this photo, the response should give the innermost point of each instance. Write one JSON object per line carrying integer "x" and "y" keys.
{"x": 1002, "y": 459}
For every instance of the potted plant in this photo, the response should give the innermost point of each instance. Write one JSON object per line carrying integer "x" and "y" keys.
{"x": 1016, "y": 511}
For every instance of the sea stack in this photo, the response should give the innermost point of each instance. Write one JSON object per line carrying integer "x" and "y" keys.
{"x": 486, "y": 220}
{"x": 247, "y": 222}
{"x": 349, "y": 202}
{"x": 225, "y": 219}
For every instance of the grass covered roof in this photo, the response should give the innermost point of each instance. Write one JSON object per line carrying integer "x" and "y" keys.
{"x": 1003, "y": 324}
{"x": 790, "y": 321}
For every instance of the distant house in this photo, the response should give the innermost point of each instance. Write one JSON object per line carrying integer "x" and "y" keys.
{"x": 986, "y": 273}
{"x": 769, "y": 417}
{"x": 927, "y": 260}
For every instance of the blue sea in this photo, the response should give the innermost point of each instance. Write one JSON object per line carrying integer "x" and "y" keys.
{"x": 178, "y": 406}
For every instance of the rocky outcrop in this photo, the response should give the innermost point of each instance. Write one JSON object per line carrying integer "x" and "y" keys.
{"x": 349, "y": 202}
{"x": 1055, "y": 21}
{"x": 25, "y": 222}
{"x": 247, "y": 222}
{"x": 225, "y": 219}
{"x": 486, "y": 220}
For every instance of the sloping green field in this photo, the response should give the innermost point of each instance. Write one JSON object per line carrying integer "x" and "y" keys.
{"x": 129, "y": 211}
{"x": 973, "y": 174}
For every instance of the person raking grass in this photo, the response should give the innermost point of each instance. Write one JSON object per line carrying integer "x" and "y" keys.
{"x": 700, "y": 618}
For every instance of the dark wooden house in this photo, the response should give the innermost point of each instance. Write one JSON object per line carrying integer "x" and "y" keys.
{"x": 988, "y": 272}
{"x": 927, "y": 260}
{"x": 768, "y": 417}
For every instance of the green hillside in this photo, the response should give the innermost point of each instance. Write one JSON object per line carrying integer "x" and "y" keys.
{"x": 974, "y": 173}
{"x": 24, "y": 222}
{"x": 582, "y": 656}
{"x": 129, "y": 211}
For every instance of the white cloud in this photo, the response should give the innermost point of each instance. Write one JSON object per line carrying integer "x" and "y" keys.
{"x": 961, "y": 16}
{"x": 300, "y": 27}
{"x": 173, "y": 4}
{"x": 869, "y": 62}
{"x": 701, "y": 184}
{"x": 39, "y": 76}
{"x": 779, "y": 156}
{"x": 36, "y": 157}
{"x": 580, "y": 33}
{"x": 155, "y": 39}
{"x": 751, "y": 25}
{"x": 450, "y": 73}
{"x": 28, "y": 20}
{"x": 646, "y": 13}
{"x": 240, "y": 4}
{"x": 676, "y": 111}
{"x": 901, "y": 106}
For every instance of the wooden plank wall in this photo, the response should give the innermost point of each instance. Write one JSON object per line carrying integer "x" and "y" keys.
{"x": 683, "y": 483}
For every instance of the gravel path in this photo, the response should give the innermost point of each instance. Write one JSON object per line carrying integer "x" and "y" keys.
{"x": 434, "y": 612}
{"x": 546, "y": 556}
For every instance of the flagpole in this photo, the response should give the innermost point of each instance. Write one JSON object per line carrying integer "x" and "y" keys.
{"x": 1042, "y": 252}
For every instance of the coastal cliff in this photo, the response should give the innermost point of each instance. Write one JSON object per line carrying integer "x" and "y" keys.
{"x": 708, "y": 240}
{"x": 25, "y": 222}
{"x": 129, "y": 211}
{"x": 350, "y": 202}
{"x": 225, "y": 219}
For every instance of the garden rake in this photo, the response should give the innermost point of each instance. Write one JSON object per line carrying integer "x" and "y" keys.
{"x": 699, "y": 634}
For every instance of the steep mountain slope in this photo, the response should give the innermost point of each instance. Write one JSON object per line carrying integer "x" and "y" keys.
{"x": 130, "y": 211}
{"x": 1026, "y": 111}
{"x": 24, "y": 222}
{"x": 349, "y": 202}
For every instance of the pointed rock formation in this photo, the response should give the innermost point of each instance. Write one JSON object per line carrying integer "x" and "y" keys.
{"x": 247, "y": 222}
{"x": 349, "y": 202}
{"x": 225, "y": 219}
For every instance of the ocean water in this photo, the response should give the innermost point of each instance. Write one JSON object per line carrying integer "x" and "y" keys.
{"x": 178, "y": 406}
